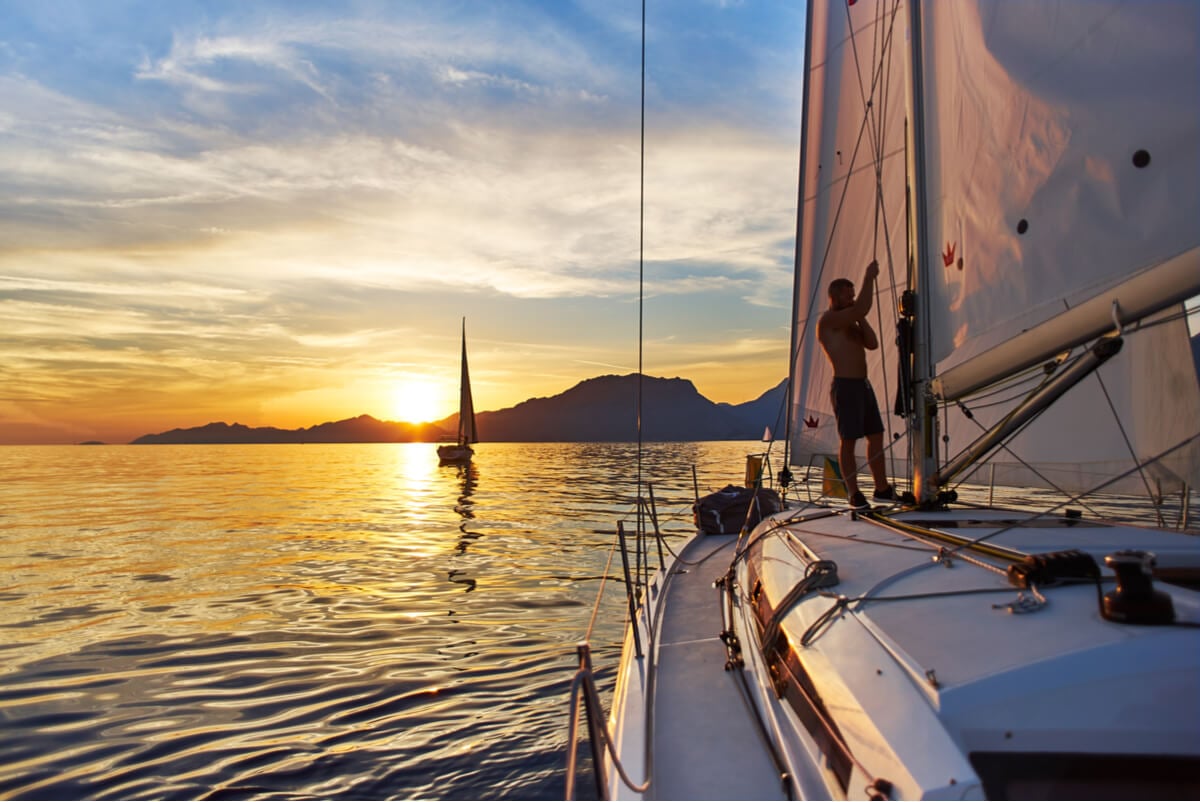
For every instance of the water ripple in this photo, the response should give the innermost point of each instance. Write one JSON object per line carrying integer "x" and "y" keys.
{"x": 297, "y": 622}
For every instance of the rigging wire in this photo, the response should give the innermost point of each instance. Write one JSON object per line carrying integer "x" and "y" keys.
{"x": 881, "y": 48}
{"x": 612, "y": 550}
{"x": 875, "y": 146}
{"x": 641, "y": 521}
{"x": 1015, "y": 383}
{"x": 881, "y": 209}
{"x": 584, "y": 681}
{"x": 864, "y": 128}
{"x": 1129, "y": 445}
{"x": 1018, "y": 389}
{"x": 1096, "y": 489}
{"x": 1004, "y": 445}
{"x": 797, "y": 335}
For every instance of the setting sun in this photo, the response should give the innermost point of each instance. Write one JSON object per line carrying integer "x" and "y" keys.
{"x": 418, "y": 401}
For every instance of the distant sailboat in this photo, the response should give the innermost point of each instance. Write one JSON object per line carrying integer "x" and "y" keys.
{"x": 460, "y": 452}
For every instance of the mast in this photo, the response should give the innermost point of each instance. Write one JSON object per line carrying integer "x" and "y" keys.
{"x": 923, "y": 416}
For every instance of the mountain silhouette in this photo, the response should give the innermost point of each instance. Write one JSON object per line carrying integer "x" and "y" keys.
{"x": 603, "y": 409}
{"x": 363, "y": 429}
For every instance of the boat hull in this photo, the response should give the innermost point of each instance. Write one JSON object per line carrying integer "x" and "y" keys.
{"x": 455, "y": 455}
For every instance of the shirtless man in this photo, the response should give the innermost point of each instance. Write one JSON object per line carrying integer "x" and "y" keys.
{"x": 846, "y": 336}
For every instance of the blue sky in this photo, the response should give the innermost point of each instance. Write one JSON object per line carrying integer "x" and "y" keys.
{"x": 278, "y": 212}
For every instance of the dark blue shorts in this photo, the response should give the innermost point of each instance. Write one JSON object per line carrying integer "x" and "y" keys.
{"x": 856, "y": 409}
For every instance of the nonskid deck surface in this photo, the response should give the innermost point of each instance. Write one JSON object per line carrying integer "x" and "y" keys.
{"x": 706, "y": 742}
{"x": 972, "y": 637}
{"x": 989, "y": 673}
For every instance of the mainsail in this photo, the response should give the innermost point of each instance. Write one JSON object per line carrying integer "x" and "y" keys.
{"x": 1059, "y": 168}
{"x": 466, "y": 405}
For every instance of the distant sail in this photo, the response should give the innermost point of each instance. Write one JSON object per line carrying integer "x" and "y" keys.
{"x": 461, "y": 452}
{"x": 466, "y": 405}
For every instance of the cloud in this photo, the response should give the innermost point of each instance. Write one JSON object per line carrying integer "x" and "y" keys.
{"x": 348, "y": 61}
{"x": 528, "y": 205}
{"x": 525, "y": 213}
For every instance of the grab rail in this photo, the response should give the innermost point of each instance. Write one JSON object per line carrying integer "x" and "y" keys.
{"x": 597, "y": 729}
{"x": 633, "y": 595}
{"x": 584, "y": 682}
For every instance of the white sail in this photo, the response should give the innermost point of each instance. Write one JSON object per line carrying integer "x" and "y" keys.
{"x": 855, "y": 59}
{"x": 1036, "y": 114}
{"x": 1061, "y": 159}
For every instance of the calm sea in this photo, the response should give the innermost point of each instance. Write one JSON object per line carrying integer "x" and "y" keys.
{"x": 314, "y": 621}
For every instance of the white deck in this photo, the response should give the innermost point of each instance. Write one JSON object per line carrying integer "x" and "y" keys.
{"x": 697, "y": 703}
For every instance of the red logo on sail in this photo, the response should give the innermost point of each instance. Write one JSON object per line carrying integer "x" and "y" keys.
{"x": 948, "y": 255}
{"x": 811, "y": 422}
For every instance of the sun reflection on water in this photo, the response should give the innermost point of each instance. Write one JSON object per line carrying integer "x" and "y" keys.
{"x": 302, "y": 620}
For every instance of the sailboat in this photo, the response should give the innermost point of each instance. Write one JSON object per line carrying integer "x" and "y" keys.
{"x": 460, "y": 452}
{"x": 1027, "y": 176}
